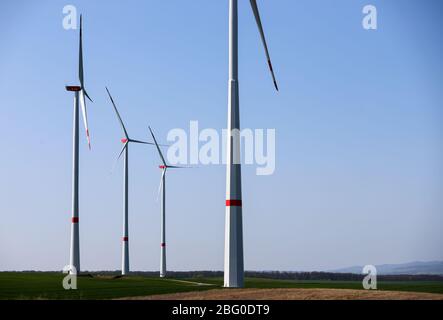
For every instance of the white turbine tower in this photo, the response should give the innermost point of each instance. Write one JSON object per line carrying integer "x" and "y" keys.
{"x": 234, "y": 268}
{"x": 162, "y": 188}
{"x": 125, "y": 238}
{"x": 79, "y": 97}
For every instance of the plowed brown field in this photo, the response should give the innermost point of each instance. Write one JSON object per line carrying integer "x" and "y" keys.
{"x": 293, "y": 294}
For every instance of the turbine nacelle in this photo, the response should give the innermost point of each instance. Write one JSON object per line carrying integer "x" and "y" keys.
{"x": 73, "y": 88}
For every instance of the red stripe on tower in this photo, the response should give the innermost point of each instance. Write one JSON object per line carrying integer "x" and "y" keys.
{"x": 233, "y": 203}
{"x": 162, "y": 244}
{"x": 125, "y": 238}
{"x": 75, "y": 220}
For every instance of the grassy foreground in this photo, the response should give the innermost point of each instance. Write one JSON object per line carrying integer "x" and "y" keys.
{"x": 20, "y": 285}
{"x": 17, "y": 285}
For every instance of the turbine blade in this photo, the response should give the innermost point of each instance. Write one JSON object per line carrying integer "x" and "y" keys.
{"x": 87, "y": 95}
{"x": 142, "y": 142}
{"x": 80, "y": 56}
{"x": 263, "y": 39}
{"x": 118, "y": 114}
{"x": 80, "y": 62}
{"x": 119, "y": 156}
{"x": 178, "y": 167}
{"x": 161, "y": 184}
{"x": 85, "y": 116}
{"x": 158, "y": 148}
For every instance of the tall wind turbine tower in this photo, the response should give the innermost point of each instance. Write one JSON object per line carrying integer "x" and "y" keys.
{"x": 234, "y": 268}
{"x": 162, "y": 188}
{"x": 125, "y": 141}
{"x": 79, "y": 97}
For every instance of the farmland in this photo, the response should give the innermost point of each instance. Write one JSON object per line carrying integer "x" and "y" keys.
{"x": 48, "y": 285}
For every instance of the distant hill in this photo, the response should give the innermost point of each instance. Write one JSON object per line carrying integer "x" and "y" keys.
{"x": 411, "y": 268}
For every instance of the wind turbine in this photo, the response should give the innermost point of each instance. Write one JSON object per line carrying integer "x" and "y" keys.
{"x": 79, "y": 96}
{"x": 234, "y": 268}
{"x": 162, "y": 187}
{"x": 126, "y": 140}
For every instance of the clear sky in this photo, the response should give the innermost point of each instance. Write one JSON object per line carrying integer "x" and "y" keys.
{"x": 358, "y": 124}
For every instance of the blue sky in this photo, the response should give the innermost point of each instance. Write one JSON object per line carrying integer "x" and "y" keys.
{"x": 358, "y": 124}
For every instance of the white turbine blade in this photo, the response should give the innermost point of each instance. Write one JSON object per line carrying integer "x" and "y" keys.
{"x": 82, "y": 91}
{"x": 158, "y": 148}
{"x": 263, "y": 39}
{"x": 80, "y": 62}
{"x": 118, "y": 114}
{"x": 85, "y": 116}
{"x": 161, "y": 184}
{"x": 80, "y": 56}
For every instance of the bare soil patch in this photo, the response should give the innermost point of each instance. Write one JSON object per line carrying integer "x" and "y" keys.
{"x": 293, "y": 294}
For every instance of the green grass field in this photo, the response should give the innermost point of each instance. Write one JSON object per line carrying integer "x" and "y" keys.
{"x": 17, "y": 285}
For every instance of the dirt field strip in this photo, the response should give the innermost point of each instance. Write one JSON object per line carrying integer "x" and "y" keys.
{"x": 191, "y": 282}
{"x": 293, "y": 294}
